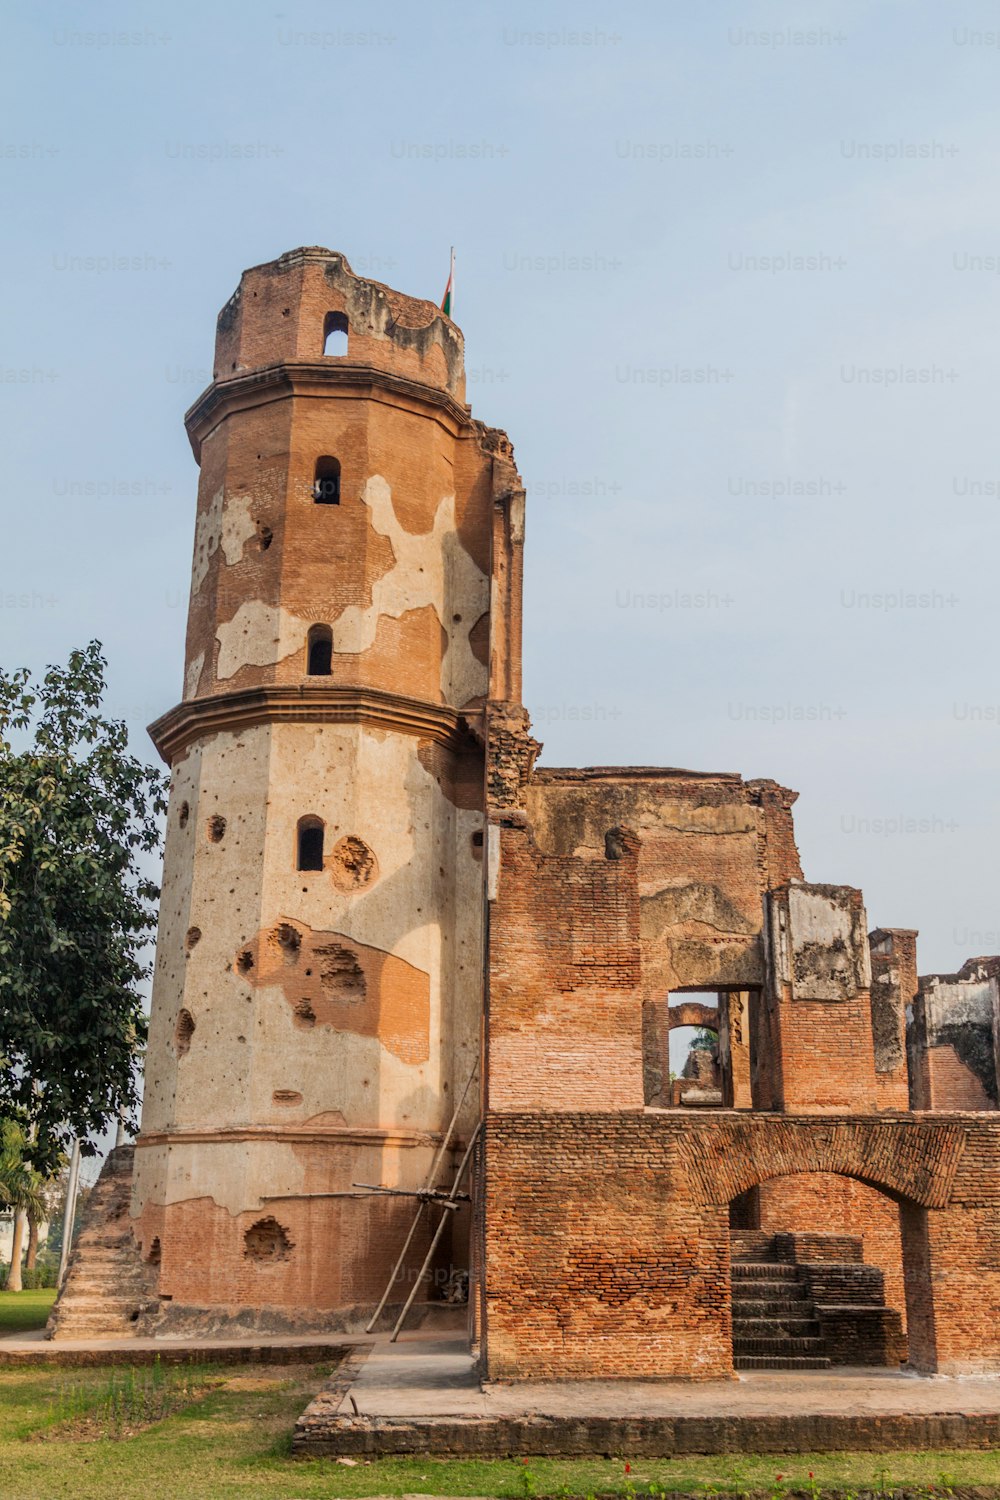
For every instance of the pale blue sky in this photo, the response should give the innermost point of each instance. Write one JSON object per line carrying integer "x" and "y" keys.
{"x": 607, "y": 200}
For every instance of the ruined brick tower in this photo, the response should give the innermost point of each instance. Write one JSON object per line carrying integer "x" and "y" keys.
{"x": 353, "y": 789}
{"x": 355, "y": 599}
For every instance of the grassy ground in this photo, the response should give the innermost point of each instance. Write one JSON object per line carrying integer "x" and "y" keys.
{"x": 233, "y": 1444}
{"x": 21, "y": 1311}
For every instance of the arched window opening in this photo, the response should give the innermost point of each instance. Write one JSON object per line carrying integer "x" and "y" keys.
{"x": 319, "y": 651}
{"x": 681, "y": 1051}
{"x": 326, "y": 481}
{"x": 335, "y": 333}
{"x": 310, "y": 842}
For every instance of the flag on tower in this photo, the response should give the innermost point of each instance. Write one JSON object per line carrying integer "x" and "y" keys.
{"x": 449, "y": 290}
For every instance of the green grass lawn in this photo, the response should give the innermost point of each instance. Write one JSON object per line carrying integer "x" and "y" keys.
{"x": 233, "y": 1444}
{"x": 21, "y": 1311}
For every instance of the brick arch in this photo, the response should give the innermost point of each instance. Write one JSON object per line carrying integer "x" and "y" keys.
{"x": 912, "y": 1163}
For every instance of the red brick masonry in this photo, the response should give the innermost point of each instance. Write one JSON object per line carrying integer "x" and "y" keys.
{"x": 607, "y": 1235}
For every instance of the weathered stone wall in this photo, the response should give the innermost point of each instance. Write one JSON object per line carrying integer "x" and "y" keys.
{"x": 821, "y": 1050}
{"x": 708, "y": 846}
{"x": 954, "y": 1038}
{"x": 894, "y": 984}
{"x": 312, "y": 1028}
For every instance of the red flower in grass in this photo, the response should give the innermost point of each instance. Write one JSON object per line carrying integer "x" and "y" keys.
{"x": 628, "y": 1468}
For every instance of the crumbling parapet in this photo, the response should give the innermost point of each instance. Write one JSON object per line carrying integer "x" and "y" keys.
{"x": 953, "y": 1038}
{"x": 893, "y": 954}
{"x": 511, "y": 754}
{"x": 821, "y": 1056}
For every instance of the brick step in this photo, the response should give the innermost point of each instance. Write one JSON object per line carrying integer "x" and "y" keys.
{"x": 751, "y": 1245}
{"x": 785, "y": 1362}
{"x": 762, "y": 1271}
{"x": 96, "y": 1327}
{"x": 770, "y": 1291}
{"x": 104, "y": 1250}
{"x": 781, "y": 1347}
{"x": 776, "y": 1327}
{"x": 111, "y": 1286}
{"x": 105, "y": 1297}
{"x": 815, "y": 1249}
{"x": 770, "y": 1307}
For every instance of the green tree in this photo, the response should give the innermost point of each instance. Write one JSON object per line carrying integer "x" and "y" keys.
{"x": 78, "y": 814}
{"x": 21, "y": 1192}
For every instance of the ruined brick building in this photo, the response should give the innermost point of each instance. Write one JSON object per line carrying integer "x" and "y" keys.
{"x": 370, "y": 887}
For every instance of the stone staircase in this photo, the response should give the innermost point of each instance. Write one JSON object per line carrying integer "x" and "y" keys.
{"x": 775, "y": 1326}
{"x": 108, "y": 1286}
{"x": 806, "y": 1302}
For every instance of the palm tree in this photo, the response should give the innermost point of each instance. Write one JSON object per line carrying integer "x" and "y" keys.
{"x": 20, "y": 1191}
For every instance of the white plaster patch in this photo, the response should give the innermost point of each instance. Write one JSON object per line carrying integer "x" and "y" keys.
{"x": 206, "y": 540}
{"x": 237, "y": 527}
{"x": 432, "y": 569}
{"x": 192, "y": 676}
{"x": 258, "y": 635}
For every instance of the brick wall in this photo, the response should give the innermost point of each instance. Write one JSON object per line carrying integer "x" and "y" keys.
{"x": 819, "y": 983}
{"x": 607, "y": 1238}
{"x": 565, "y": 1010}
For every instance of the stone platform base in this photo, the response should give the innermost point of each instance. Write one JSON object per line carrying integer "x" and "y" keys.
{"x": 28, "y": 1353}
{"x": 421, "y": 1396}
{"x": 637, "y": 1437}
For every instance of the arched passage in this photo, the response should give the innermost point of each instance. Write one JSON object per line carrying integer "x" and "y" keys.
{"x": 817, "y": 1274}
{"x": 911, "y": 1167}
{"x": 908, "y": 1161}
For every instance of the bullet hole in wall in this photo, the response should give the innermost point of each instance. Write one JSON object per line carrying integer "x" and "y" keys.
{"x": 183, "y": 815}
{"x": 244, "y": 961}
{"x": 183, "y": 1032}
{"x": 352, "y": 864}
{"x": 193, "y": 937}
{"x": 341, "y": 976}
{"x": 619, "y": 842}
{"x": 216, "y": 828}
{"x": 288, "y": 940}
{"x": 265, "y": 537}
{"x": 267, "y": 1240}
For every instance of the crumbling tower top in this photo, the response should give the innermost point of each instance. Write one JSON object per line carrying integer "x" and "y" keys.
{"x": 287, "y": 309}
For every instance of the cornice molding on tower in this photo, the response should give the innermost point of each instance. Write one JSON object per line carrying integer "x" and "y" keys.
{"x": 295, "y": 1134}
{"x": 310, "y": 377}
{"x": 195, "y": 717}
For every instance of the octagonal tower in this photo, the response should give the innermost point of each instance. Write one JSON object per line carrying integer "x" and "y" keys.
{"x": 355, "y": 605}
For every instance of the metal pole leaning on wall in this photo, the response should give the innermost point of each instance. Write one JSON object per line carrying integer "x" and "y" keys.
{"x": 450, "y": 1206}
{"x": 435, "y": 1166}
